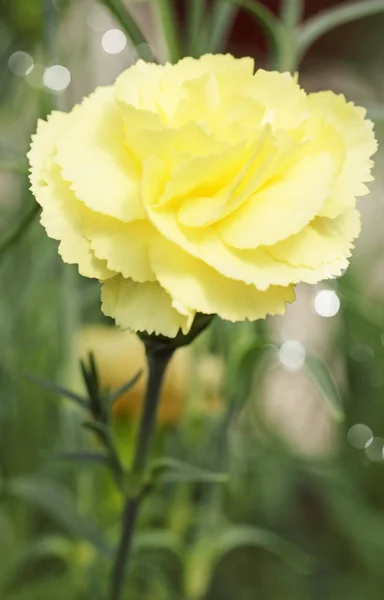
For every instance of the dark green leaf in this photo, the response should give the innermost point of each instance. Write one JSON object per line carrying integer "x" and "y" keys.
{"x": 58, "y": 389}
{"x": 208, "y": 552}
{"x": 56, "y": 501}
{"x": 96, "y": 427}
{"x": 171, "y": 470}
{"x": 124, "y": 388}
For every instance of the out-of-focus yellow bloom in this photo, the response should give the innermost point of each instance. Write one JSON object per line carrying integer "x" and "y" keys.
{"x": 202, "y": 187}
{"x": 119, "y": 356}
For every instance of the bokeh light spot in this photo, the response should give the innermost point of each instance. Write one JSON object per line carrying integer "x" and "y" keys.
{"x": 21, "y": 63}
{"x": 375, "y": 450}
{"x": 360, "y": 436}
{"x": 292, "y": 355}
{"x": 327, "y": 303}
{"x": 361, "y": 352}
{"x": 57, "y": 78}
{"x": 114, "y": 41}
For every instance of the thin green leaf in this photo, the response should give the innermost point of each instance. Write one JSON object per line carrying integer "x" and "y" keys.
{"x": 18, "y": 233}
{"x": 273, "y": 28}
{"x": 325, "y": 21}
{"x": 56, "y": 501}
{"x": 195, "y": 17}
{"x": 124, "y": 388}
{"x": 172, "y": 470}
{"x": 96, "y": 427}
{"x": 169, "y": 25}
{"x": 131, "y": 28}
{"x": 79, "y": 457}
{"x": 158, "y": 539}
{"x": 58, "y": 389}
{"x": 325, "y": 383}
{"x": 210, "y": 551}
{"x": 222, "y": 18}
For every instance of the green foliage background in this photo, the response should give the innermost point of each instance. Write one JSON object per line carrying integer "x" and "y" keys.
{"x": 288, "y": 525}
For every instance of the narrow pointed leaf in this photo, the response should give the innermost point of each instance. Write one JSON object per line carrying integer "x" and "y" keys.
{"x": 209, "y": 552}
{"x": 323, "y": 379}
{"x": 124, "y": 388}
{"x": 96, "y": 427}
{"x": 173, "y": 470}
{"x": 57, "y": 502}
{"x": 59, "y": 390}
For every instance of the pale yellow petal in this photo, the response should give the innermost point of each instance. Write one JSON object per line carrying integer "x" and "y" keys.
{"x": 360, "y": 144}
{"x": 281, "y": 208}
{"x": 323, "y": 241}
{"x": 260, "y": 268}
{"x": 143, "y": 307}
{"x": 94, "y": 160}
{"x": 124, "y": 246}
{"x": 201, "y": 288}
{"x": 284, "y": 101}
{"x": 63, "y": 216}
{"x": 43, "y": 146}
{"x": 139, "y": 85}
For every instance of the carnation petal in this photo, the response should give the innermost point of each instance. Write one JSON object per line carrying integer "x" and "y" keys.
{"x": 285, "y": 102}
{"x": 62, "y": 216}
{"x": 143, "y": 307}
{"x": 360, "y": 144}
{"x": 323, "y": 241}
{"x": 43, "y": 146}
{"x": 260, "y": 268}
{"x": 201, "y": 288}
{"x": 93, "y": 159}
{"x": 281, "y": 208}
{"x": 124, "y": 246}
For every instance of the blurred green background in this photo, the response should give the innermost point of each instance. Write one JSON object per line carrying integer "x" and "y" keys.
{"x": 302, "y": 517}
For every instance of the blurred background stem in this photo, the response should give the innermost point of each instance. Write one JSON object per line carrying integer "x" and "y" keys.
{"x": 272, "y": 27}
{"x": 130, "y": 27}
{"x": 327, "y": 20}
{"x": 291, "y": 14}
{"x": 221, "y": 21}
{"x": 169, "y": 28}
{"x": 195, "y": 19}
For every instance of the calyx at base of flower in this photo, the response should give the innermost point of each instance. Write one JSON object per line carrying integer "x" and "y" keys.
{"x": 163, "y": 346}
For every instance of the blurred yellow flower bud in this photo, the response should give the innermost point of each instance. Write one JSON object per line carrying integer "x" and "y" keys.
{"x": 119, "y": 356}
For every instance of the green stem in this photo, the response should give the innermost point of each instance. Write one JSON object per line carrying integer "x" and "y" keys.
{"x": 157, "y": 364}
{"x": 327, "y": 20}
{"x": 223, "y": 16}
{"x": 291, "y": 14}
{"x": 273, "y": 28}
{"x": 131, "y": 28}
{"x": 168, "y": 20}
{"x": 195, "y": 18}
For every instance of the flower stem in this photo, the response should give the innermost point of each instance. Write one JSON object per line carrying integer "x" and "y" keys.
{"x": 168, "y": 20}
{"x": 291, "y": 14}
{"x": 273, "y": 28}
{"x": 131, "y": 28}
{"x": 157, "y": 360}
{"x": 329, "y": 19}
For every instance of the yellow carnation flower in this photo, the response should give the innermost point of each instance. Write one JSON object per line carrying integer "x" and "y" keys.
{"x": 202, "y": 187}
